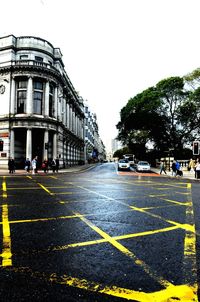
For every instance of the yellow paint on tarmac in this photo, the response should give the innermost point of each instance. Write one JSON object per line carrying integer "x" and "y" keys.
{"x": 6, "y": 251}
{"x": 181, "y": 293}
{"x": 44, "y": 188}
{"x": 187, "y": 292}
{"x": 126, "y": 252}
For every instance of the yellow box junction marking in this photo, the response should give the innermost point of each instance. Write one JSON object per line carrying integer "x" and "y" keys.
{"x": 172, "y": 292}
{"x": 6, "y": 251}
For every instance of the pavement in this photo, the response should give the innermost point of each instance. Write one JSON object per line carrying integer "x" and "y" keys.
{"x": 186, "y": 174}
{"x": 72, "y": 169}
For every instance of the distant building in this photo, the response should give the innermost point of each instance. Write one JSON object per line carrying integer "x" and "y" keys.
{"x": 41, "y": 114}
{"x": 115, "y": 145}
{"x": 94, "y": 147}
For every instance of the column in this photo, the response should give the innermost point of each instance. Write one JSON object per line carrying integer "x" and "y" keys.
{"x": 56, "y": 102}
{"x": 46, "y": 141}
{"x": 29, "y": 105}
{"x": 55, "y": 145}
{"x": 12, "y": 143}
{"x": 46, "y": 100}
{"x": 12, "y": 99}
{"x": 29, "y": 144}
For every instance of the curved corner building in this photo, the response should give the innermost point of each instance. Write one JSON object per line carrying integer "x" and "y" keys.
{"x": 41, "y": 114}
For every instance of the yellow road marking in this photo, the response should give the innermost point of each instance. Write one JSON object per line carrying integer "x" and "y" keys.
{"x": 44, "y": 188}
{"x": 182, "y": 293}
{"x": 126, "y": 252}
{"x": 6, "y": 251}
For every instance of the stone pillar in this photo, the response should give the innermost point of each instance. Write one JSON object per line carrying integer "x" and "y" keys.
{"x": 46, "y": 141}
{"x": 29, "y": 105}
{"x": 56, "y": 102}
{"x": 12, "y": 143}
{"x": 46, "y": 100}
{"x": 55, "y": 145}
{"x": 12, "y": 98}
{"x": 29, "y": 144}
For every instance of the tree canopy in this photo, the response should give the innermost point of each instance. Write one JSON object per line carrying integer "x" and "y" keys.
{"x": 167, "y": 116}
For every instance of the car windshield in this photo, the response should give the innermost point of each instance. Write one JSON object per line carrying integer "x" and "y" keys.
{"x": 123, "y": 161}
{"x": 143, "y": 163}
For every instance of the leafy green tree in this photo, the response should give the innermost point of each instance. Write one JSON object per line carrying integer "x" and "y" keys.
{"x": 164, "y": 115}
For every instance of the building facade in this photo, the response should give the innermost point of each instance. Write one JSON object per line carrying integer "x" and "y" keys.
{"x": 94, "y": 147}
{"x": 41, "y": 114}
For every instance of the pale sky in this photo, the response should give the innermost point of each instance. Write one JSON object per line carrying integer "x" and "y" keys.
{"x": 112, "y": 49}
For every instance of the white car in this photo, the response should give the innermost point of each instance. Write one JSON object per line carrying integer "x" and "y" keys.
{"x": 143, "y": 166}
{"x": 123, "y": 164}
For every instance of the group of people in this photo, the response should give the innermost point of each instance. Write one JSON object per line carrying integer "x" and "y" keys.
{"x": 34, "y": 165}
{"x": 194, "y": 167}
{"x": 176, "y": 168}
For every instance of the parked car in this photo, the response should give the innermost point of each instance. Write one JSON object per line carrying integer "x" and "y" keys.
{"x": 143, "y": 166}
{"x": 123, "y": 164}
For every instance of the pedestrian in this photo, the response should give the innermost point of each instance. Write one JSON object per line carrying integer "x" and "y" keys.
{"x": 191, "y": 165}
{"x": 27, "y": 165}
{"x": 178, "y": 169}
{"x": 162, "y": 168}
{"x": 57, "y": 164}
{"x": 197, "y": 170}
{"x": 45, "y": 166}
{"x": 53, "y": 165}
{"x": 11, "y": 165}
{"x": 34, "y": 165}
{"x": 173, "y": 167}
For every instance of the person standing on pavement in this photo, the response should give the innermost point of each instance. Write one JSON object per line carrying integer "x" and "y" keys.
{"x": 57, "y": 164}
{"x": 34, "y": 165}
{"x": 53, "y": 165}
{"x": 191, "y": 165}
{"x": 11, "y": 165}
{"x": 162, "y": 168}
{"x": 45, "y": 165}
{"x": 197, "y": 170}
{"x": 173, "y": 168}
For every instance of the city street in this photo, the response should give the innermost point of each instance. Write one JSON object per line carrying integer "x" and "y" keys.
{"x": 99, "y": 235}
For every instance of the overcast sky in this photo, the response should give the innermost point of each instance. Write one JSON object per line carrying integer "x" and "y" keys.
{"x": 112, "y": 49}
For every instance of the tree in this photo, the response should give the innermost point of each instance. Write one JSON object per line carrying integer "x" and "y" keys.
{"x": 161, "y": 115}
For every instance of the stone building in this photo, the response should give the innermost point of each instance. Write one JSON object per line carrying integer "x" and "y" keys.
{"x": 94, "y": 147}
{"x": 41, "y": 114}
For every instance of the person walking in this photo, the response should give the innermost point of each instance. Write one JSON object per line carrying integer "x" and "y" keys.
{"x": 11, "y": 165}
{"x": 162, "y": 168}
{"x": 27, "y": 165}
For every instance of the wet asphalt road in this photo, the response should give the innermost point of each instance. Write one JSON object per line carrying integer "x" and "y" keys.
{"x": 99, "y": 236}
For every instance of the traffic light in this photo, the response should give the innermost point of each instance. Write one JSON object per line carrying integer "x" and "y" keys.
{"x": 196, "y": 148}
{"x": 1, "y": 145}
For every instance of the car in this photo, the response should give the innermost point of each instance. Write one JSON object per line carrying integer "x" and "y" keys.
{"x": 143, "y": 166}
{"x": 123, "y": 164}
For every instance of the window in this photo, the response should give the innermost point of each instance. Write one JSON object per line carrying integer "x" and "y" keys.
{"x": 23, "y": 57}
{"x": 37, "y": 97}
{"x": 21, "y": 95}
{"x": 39, "y": 59}
{"x": 51, "y": 90}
